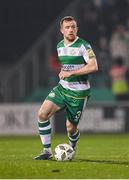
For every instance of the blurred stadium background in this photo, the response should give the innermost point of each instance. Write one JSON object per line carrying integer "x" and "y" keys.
{"x": 29, "y": 32}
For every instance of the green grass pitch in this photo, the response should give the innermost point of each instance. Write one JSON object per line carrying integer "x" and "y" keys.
{"x": 98, "y": 156}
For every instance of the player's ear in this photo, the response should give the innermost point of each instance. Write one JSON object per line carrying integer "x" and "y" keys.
{"x": 61, "y": 30}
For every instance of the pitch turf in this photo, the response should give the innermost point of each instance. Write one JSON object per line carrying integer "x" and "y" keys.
{"x": 98, "y": 156}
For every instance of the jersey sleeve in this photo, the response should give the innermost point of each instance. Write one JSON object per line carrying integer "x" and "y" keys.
{"x": 87, "y": 52}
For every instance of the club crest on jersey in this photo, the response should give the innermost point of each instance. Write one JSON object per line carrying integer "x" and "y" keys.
{"x": 72, "y": 52}
{"x": 52, "y": 94}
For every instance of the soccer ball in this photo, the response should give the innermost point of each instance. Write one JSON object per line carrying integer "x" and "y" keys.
{"x": 64, "y": 152}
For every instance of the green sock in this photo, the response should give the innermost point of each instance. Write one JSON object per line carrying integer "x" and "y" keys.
{"x": 45, "y": 134}
{"x": 73, "y": 139}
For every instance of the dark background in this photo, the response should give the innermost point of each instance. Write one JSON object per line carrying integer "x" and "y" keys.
{"x": 21, "y": 22}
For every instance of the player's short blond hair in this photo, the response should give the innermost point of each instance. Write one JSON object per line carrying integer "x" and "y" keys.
{"x": 67, "y": 18}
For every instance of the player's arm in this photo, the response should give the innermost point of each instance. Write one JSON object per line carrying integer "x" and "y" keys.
{"x": 91, "y": 62}
{"x": 90, "y": 67}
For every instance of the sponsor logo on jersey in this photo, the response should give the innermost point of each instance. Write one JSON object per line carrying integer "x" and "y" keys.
{"x": 67, "y": 67}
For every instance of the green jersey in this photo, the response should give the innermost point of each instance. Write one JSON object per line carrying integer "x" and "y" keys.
{"x": 73, "y": 57}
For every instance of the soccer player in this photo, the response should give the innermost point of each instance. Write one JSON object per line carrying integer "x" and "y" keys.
{"x": 73, "y": 90}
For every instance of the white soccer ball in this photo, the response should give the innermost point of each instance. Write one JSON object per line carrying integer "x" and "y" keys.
{"x": 64, "y": 152}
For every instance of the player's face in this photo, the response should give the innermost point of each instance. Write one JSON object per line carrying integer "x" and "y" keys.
{"x": 69, "y": 30}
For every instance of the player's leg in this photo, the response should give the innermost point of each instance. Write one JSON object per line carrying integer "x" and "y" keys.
{"x": 47, "y": 109}
{"x": 74, "y": 111}
{"x": 73, "y": 134}
{"x": 53, "y": 103}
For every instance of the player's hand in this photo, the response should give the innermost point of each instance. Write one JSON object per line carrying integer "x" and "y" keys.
{"x": 64, "y": 74}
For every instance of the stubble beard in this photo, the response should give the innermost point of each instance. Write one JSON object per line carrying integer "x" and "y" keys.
{"x": 71, "y": 38}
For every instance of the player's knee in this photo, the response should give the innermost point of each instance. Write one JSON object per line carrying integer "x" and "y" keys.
{"x": 42, "y": 115}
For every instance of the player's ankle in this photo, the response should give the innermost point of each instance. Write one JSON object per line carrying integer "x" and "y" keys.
{"x": 48, "y": 150}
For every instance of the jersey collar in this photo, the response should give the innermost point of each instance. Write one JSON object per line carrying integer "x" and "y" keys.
{"x": 71, "y": 42}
